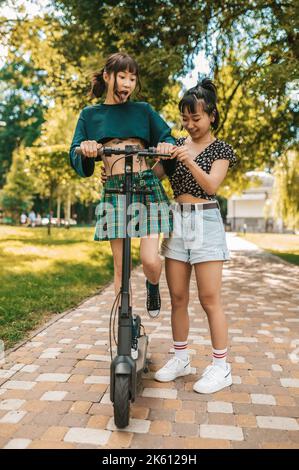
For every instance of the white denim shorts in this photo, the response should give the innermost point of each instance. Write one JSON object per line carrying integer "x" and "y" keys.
{"x": 198, "y": 235}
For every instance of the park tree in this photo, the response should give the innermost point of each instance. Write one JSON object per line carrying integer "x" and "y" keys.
{"x": 21, "y": 109}
{"x": 251, "y": 48}
{"x": 286, "y": 189}
{"x": 259, "y": 128}
{"x": 47, "y": 165}
{"x": 17, "y": 195}
{"x": 33, "y": 77}
{"x": 48, "y": 162}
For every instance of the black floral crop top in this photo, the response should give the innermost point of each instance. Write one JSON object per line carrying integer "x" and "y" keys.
{"x": 182, "y": 181}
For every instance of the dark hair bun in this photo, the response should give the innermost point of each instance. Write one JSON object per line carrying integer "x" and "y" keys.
{"x": 208, "y": 85}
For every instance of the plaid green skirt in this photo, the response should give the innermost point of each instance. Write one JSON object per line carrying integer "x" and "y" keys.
{"x": 148, "y": 213}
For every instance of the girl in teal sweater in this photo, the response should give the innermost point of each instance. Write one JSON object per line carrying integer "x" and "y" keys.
{"x": 120, "y": 122}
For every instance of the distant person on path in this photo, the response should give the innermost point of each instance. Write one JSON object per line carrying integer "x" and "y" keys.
{"x": 32, "y": 218}
{"x": 23, "y": 218}
{"x": 38, "y": 219}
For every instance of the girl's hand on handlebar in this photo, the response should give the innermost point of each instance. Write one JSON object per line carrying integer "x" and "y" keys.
{"x": 183, "y": 155}
{"x": 103, "y": 175}
{"x": 165, "y": 147}
{"x": 90, "y": 148}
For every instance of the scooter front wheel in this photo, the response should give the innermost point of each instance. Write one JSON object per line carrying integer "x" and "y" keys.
{"x": 121, "y": 401}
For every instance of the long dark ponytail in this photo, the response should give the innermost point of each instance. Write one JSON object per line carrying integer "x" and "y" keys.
{"x": 98, "y": 85}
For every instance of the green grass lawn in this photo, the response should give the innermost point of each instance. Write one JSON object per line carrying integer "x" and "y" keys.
{"x": 42, "y": 275}
{"x": 284, "y": 245}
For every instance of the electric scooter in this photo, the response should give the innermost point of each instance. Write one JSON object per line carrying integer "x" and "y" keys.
{"x": 125, "y": 369}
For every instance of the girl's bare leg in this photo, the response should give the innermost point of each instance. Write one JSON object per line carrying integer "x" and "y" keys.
{"x": 150, "y": 259}
{"x": 209, "y": 278}
{"x": 117, "y": 251}
{"x": 178, "y": 276}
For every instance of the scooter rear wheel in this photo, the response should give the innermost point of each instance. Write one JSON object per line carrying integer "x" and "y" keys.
{"x": 121, "y": 401}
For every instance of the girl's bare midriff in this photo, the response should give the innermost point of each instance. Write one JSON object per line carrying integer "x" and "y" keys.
{"x": 119, "y": 166}
{"x": 189, "y": 199}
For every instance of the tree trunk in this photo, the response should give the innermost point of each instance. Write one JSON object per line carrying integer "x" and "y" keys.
{"x": 68, "y": 207}
{"x": 50, "y": 214}
{"x": 52, "y": 187}
{"x": 58, "y": 210}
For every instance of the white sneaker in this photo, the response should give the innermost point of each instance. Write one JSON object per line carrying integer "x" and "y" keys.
{"x": 213, "y": 379}
{"x": 174, "y": 368}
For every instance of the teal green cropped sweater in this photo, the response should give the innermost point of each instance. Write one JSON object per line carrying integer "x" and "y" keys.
{"x": 102, "y": 122}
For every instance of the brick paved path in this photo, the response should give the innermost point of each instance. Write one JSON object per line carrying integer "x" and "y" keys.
{"x": 54, "y": 388}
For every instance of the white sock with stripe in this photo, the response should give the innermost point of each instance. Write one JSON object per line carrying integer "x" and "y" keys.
{"x": 180, "y": 349}
{"x": 219, "y": 357}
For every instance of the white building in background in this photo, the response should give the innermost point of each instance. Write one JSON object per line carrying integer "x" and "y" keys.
{"x": 253, "y": 209}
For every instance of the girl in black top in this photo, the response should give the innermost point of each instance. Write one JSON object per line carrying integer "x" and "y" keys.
{"x": 198, "y": 238}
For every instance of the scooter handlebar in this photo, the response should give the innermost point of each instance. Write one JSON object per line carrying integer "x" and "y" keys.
{"x": 128, "y": 150}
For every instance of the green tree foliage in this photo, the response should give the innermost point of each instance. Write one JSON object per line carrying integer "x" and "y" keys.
{"x": 21, "y": 109}
{"x": 256, "y": 68}
{"x": 259, "y": 128}
{"x": 48, "y": 163}
{"x": 17, "y": 194}
{"x": 161, "y": 35}
{"x": 251, "y": 47}
{"x": 286, "y": 189}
